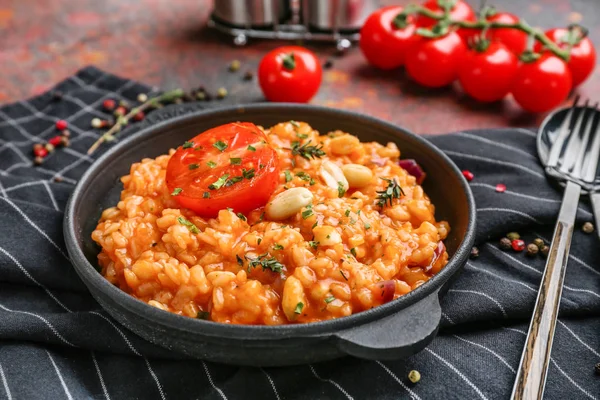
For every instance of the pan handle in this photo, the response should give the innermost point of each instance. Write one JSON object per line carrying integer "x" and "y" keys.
{"x": 396, "y": 336}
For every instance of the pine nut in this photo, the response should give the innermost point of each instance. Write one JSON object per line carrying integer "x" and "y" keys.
{"x": 333, "y": 176}
{"x": 288, "y": 203}
{"x": 344, "y": 144}
{"x": 357, "y": 175}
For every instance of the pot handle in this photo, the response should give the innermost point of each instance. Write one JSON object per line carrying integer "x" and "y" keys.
{"x": 396, "y": 336}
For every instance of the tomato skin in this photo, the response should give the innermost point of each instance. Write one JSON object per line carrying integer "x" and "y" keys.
{"x": 297, "y": 85}
{"x": 487, "y": 76}
{"x": 542, "y": 85}
{"x": 243, "y": 196}
{"x": 583, "y": 55}
{"x": 434, "y": 62}
{"x": 514, "y": 39}
{"x": 461, "y": 11}
{"x": 382, "y": 44}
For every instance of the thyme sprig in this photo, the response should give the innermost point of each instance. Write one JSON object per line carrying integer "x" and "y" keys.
{"x": 307, "y": 150}
{"x": 391, "y": 192}
{"x": 265, "y": 262}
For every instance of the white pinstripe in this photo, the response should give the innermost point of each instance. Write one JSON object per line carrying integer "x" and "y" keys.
{"x": 102, "y": 384}
{"x": 48, "y": 324}
{"x": 462, "y": 376}
{"x": 272, "y": 383}
{"x": 493, "y": 143}
{"x": 578, "y": 260}
{"x": 501, "y": 277}
{"x": 18, "y": 127}
{"x": 526, "y": 131}
{"x": 25, "y": 184}
{"x": 69, "y": 167}
{"x": 493, "y": 161}
{"x": 5, "y": 383}
{"x": 37, "y": 228}
{"x": 448, "y": 318}
{"x": 508, "y": 210}
{"x": 579, "y": 339}
{"x": 212, "y": 383}
{"x": 412, "y": 394}
{"x": 11, "y": 146}
{"x": 499, "y": 357}
{"x": 52, "y": 199}
{"x": 481, "y": 294}
{"x": 334, "y": 383}
{"x": 62, "y": 381}
{"x": 158, "y": 385}
{"x": 2, "y": 190}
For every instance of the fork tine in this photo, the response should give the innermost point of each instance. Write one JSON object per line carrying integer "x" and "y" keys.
{"x": 578, "y": 168}
{"x": 562, "y": 135}
{"x": 574, "y": 142}
{"x": 589, "y": 174}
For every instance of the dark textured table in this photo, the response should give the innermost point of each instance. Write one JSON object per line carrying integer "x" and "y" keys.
{"x": 166, "y": 43}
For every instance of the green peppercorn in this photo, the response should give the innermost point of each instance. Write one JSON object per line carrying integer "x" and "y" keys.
{"x": 539, "y": 242}
{"x": 545, "y": 250}
{"x": 588, "y": 227}
{"x": 414, "y": 376}
{"x": 221, "y": 93}
{"x": 505, "y": 243}
{"x": 532, "y": 249}
{"x": 234, "y": 66}
{"x": 248, "y": 76}
{"x": 474, "y": 252}
{"x": 513, "y": 236}
{"x": 201, "y": 95}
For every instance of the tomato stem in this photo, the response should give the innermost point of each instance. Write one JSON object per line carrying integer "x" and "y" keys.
{"x": 482, "y": 23}
{"x": 289, "y": 61}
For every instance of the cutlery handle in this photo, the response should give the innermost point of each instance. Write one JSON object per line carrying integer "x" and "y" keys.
{"x": 595, "y": 199}
{"x": 531, "y": 376}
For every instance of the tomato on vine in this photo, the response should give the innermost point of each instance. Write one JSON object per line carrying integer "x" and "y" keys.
{"x": 487, "y": 71}
{"x": 542, "y": 84}
{"x": 583, "y": 56}
{"x": 385, "y": 38}
{"x": 514, "y": 39}
{"x": 434, "y": 62}
{"x": 459, "y": 11}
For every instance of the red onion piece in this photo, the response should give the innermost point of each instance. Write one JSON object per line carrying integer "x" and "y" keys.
{"x": 380, "y": 162}
{"x": 387, "y": 290}
{"x": 414, "y": 169}
{"x": 437, "y": 253}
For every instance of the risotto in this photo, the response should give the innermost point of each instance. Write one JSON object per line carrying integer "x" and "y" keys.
{"x": 344, "y": 229}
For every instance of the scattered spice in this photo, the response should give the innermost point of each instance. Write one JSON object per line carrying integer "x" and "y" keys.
{"x": 501, "y": 188}
{"x": 474, "y": 252}
{"x": 265, "y": 262}
{"x": 393, "y": 191}
{"x": 58, "y": 179}
{"x": 221, "y": 93}
{"x": 201, "y": 95}
{"x": 545, "y": 250}
{"x": 38, "y": 160}
{"x": 468, "y": 175}
{"x": 64, "y": 141}
{"x": 414, "y": 376}
{"x": 66, "y": 133}
{"x": 96, "y": 123}
{"x": 61, "y": 124}
{"x": 109, "y": 104}
{"x": 139, "y": 116}
{"x": 124, "y": 104}
{"x": 539, "y": 242}
{"x": 327, "y": 64}
{"x": 234, "y": 66}
{"x": 505, "y": 243}
{"x": 588, "y": 227}
{"x": 40, "y": 151}
{"x": 142, "y": 97}
{"x": 513, "y": 236}
{"x": 120, "y": 112}
{"x": 248, "y": 76}
{"x": 55, "y": 141}
{"x": 307, "y": 151}
{"x": 518, "y": 245}
{"x": 49, "y": 147}
{"x": 532, "y": 249}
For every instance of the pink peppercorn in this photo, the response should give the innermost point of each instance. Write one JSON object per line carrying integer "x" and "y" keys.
{"x": 61, "y": 124}
{"x": 518, "y": 245}
{"x": 501, "y": 188}
{"x": 55, "y": 141}
{"x": 468, "y": 175}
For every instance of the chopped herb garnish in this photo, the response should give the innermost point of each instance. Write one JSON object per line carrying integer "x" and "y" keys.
{"x": 258, "y": 241}
{"x": 229, "y": 209}
{"x": 311, "y": 182}
{"x": 277, "y": 246}
{"x": 302, "y": 135}
{"x": 193, "y": 166}
{"x": 288, "y": 176}
{"x": 261, "y": 166}
{"x": 206, "y": 195}
{"x": 343, "y": 275}
{"x": 367, "y": 225}
{"x": 211, "y": 164}
{"x": 233, "y": 180}
{"x": 203, "y": 315}
{"x": 218, "y": 184}
{"x": 262, "y": 216}
{"x": 154, "y": 244}
{"x": 358, "y": 212}
{"x": 315, "y": 224}
{"x": 308, "y": 212}
{"x": 352, "y": 221}
{"x": 295, "y": 124}
{"x": 353, "y": 251}
{"x": 176, "y": 191}
{"x": 341, "y": 189}
{"x": 314, "y": 244}
{"x": 307, "y": 151}
{"x": 347, "y": 213}
{"x": 241, "y": 216}
{"x": 193, "y": 228}
{"x": 393, "y": 191}
{"x": 187, "y": 145}
{"x": 251, "y": 148}
{"x": 248, "y": 174}
{"x": 303, "y": 175}
{"x": 235, "y": 161}
{"x": 220, "y": 146}
{"x": 265, "y": 262}
{"x": 239, "y": 260}
{"x": 329, "y": 299}
{"x": 299, "y": 307}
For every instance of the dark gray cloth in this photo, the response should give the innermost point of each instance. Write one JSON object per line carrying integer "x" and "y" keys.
{"x": 56, "y": 342}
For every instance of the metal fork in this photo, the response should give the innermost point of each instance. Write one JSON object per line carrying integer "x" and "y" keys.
{"x": 573, "y": 159}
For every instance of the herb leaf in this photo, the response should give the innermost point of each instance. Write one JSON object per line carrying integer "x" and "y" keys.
{"x": 211, "y": 164}
{"x": 393, "y": 191}
{"x": 343, "y": 275}
{"x": 220, "y": 146}
{"x": 218, "y": 184}
{"x": 193, "y": 228}
{"x": 251, "y": 148}
{"x": 277, "y": 246}
{"x": 303, "y": 175}
{"x": 288, "y": 176}
{"x": 307, "y": 151}
{"x": 235, "y": 161}
{"x": 187, "y": 145}
{"x": 367, "y": 225}
{"x": 353, "y": 251}
{"x": 347, "y": 213}
{"x": 341, "y": 189}
{"x": 239, "y": 260}
{"x": 203, "y": 315}
{"x": 308, "y": 212}
{"x": 329, "y": 299}
{"x": 248, "y": 174}
{"x": 314, "y": 244}
{"x": 206, "y": 195}
{"x": 294, "y": 124}
{"x": 193, "y": 166}
{"x": 299, "y": 307}
{"x": 176, "y": 191}
{"x": 265, "y": 262}
{"x": 241, "y": 216}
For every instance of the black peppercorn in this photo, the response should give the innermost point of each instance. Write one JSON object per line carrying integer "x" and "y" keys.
{"x": 539, "y": 242}
{"x": 505, "y": 243}
{"x": 513, "y": 236}
{"x": 188, "y": 97}
{"x": 597, "y": 369}
{"x": 474, "y": 252}
{"x": 328, "y": 64}
{"x": 57, "y": 95}
{"x": 58, "y": 179}
{"x": 248, "y": 76}
{"x": 532, "y": 249}
{"x": 545, "y": 250}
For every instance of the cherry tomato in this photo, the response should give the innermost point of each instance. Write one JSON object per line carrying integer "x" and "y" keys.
{"x": 460, "y": 11}
{"x": 231, "y": 165}
{"x": 488, "y": 75}
{"x": 514, "y": 39}
{"x": 543, "y": 84}
{"x": 383, "y": 44}
{"x": 289, "y": 74}
{"x": 435, "y": 62}
{"x": 583, "y": 56}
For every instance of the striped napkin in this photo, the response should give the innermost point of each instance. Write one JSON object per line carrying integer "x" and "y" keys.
{"x": 56, "y": 342}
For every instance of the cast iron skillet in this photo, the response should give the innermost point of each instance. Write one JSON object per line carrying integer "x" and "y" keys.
{"x": 394, "y": 330}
